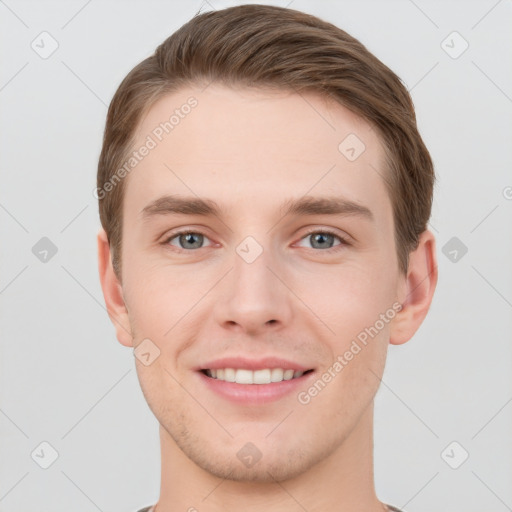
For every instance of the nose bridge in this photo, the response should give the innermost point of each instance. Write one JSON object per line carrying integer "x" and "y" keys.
{"x": 253, "y": 295}
{"x": 250, "y": 273}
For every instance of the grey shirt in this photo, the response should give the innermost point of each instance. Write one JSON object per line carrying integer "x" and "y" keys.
{"x": 391, "y": 508}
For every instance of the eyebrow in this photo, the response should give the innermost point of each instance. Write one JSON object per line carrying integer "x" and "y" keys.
{"x": 304, "y": 206}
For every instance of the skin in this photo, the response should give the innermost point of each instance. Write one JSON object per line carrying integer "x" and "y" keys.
{"x": 250, "y": 150}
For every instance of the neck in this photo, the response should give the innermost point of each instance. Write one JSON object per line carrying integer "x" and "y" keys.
{"x": 341, "y": 482}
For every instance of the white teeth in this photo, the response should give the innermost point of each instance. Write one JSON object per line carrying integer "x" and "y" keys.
{"x": 229, "y": 375}
{"x": 265, "y": 376}
{"x": 277, "y": 375}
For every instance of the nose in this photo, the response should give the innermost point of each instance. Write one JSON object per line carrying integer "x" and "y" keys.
{"x": 253, "y": 297}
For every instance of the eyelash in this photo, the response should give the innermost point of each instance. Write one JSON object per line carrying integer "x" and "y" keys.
{"x": 343, "y": 241}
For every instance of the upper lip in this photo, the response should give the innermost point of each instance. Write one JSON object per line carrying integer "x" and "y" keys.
{"x": 253, "y": 364}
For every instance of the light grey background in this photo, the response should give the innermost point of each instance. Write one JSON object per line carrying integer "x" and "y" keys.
{"x": 66, "y": 381}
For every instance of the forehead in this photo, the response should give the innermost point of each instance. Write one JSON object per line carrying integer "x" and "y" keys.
{"x": 256, "y": 147}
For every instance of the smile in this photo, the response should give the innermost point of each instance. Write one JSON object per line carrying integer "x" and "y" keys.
{"x": 264, "y": 376}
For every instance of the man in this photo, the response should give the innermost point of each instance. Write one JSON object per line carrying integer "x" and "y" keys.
{"x": 264, "y": 195}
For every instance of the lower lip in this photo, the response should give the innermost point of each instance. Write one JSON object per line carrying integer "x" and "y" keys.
{"x": 254, "y": 394}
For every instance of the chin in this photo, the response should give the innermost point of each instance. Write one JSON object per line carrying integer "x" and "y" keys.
{"x": 263, "y": 472}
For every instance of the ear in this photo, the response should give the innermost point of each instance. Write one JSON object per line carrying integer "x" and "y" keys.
{"x": 113, "y": 292}
{"x": 417, "y": 290}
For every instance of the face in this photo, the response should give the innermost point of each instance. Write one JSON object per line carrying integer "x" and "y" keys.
{"x": 290, "y": 263}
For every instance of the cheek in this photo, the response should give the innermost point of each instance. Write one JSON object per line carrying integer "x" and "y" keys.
{"x": 157, "y": 296}
{"x": 348, "y": 298}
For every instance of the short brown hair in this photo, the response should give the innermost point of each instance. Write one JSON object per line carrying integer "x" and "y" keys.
{"x": 275, "y": 47}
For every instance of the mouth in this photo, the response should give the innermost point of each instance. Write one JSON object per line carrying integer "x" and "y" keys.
{"x": 262, "y": 376}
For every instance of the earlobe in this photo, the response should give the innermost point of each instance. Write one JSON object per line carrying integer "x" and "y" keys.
{"x": 418, "y": 290}
{"x": 112, "y": 292}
